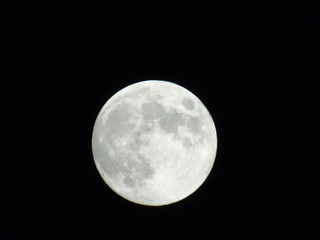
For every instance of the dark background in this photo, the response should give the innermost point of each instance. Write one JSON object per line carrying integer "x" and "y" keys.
{"x": 254, "y": 67}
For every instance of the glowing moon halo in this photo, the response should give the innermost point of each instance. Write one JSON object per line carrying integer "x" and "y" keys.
{"x": 154, "y": 143}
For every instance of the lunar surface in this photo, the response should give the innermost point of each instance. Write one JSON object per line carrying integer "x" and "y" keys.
{"x": 154, "y": 143}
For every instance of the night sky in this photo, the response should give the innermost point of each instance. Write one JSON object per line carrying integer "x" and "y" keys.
{"x": 256, "y": 75}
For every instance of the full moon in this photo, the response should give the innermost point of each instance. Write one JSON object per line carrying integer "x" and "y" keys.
{"x": 154, "y": 143}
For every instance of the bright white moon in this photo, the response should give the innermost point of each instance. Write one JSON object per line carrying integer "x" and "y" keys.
{"x": 154, "y": 143}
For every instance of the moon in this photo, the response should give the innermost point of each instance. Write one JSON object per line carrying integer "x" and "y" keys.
{"x": 154, "y": 143}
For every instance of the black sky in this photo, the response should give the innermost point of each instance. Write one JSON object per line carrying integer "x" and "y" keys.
{"x": 255, "y": 73}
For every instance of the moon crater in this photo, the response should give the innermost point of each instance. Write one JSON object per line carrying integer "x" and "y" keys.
{"x": 188, "y": 103}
